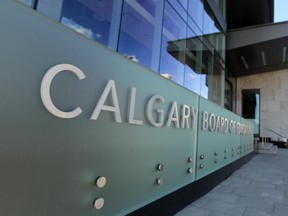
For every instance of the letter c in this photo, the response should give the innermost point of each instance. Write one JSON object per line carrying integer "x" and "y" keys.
{"x": 45, "y": 89}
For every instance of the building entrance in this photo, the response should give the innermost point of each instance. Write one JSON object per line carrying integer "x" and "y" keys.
{"x": 251, "y": 108}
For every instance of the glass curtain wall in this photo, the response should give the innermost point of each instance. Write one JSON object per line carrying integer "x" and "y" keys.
{"x": 179, "y": 39}
{"x": 173, "y": 45}
{"x": 140, "y": 32}
{"x": 29, "y": 3}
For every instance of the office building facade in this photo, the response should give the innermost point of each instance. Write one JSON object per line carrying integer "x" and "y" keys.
{"x": 122, "y": 106}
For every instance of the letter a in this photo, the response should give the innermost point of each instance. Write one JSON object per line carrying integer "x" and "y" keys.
{"x": 101, "y": 103}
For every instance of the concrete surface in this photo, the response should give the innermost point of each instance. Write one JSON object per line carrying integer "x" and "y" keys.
{"x": 258, "y": 188}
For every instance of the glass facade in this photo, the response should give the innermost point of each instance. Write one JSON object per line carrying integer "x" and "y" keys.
{"x": 280, "y": 10}
{"x": 30, "y": 3}
{"x": 140, "y": 32}
{"x": 179, "y": 39}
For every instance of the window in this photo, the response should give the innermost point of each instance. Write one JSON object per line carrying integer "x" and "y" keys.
{"x": 173, "y": 45}
{"x": 251, "y": 107}
{"x": 94, "y": 19}
{"x": 196, "y": 11}
{"x": 140, "y": 34}
{"x": 280, "y": 10}
{"x": 30, "y": 3}
{"x": 193, "y": 60}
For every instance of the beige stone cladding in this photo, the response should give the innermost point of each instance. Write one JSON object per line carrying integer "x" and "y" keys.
{"x": 273, "y": 88}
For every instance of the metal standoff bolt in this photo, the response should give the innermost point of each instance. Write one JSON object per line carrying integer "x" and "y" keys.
{"x": 160, "y": 167}
{"x": 190, "y": 159}
{"x": 99, "y": 203}
{"x": 201, "y": 166}
{"x": 233, "y": 149}
{"x": 225, "y": 157}
{"x": 159, "y": 181}
{"x": 216, "y": 153}
{"x": 190, "y": 170}
{"x": 101, "y": 181}
{"x": 201, "y": 156}
{"x": 226, "y": 151}
{"x": 215, "y": 161}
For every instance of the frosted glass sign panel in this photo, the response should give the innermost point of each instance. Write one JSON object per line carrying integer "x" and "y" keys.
{"x": 246, "y": 142}
{"x": 218, "y": 138}
{"x": 86, "y": 131}
{"x": 93, "y": 126}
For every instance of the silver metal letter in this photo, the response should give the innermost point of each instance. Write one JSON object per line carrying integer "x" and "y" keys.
{"x": 185, "y": 116}
{"x": 205, "y": 120}
{"x": 160, "y": 112}
{"x": 45, "y": 89}
{"x": 101, "y": 103}
{"x": 131, "y": 119}
{"x": 173, "y": 115}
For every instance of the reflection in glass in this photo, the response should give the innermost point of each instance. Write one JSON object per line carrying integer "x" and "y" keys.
{"x": 221, "y": 4}
{"x": 90, "y": 18}
{"x": 30, "y": 3}
{"x": 280, "y": 10}
{"x": 230, "y": 91}
{"x": 180, "y": 39}
{"x": 251, "y": 107}
{"x": 193, "y": 60}
{"x": 196, "y": 11}
{"x": 213, "y": 68}
{"x": 141, "y": 31}
{"x": 228, "y": 95}
{"x": 173, "y": 45}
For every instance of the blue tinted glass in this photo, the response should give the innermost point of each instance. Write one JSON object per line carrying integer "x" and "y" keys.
{"x": 196, "y": 11}
{"x": 140, "y": 34}
{"x": 204, "y": 86}
{"x": 184, "y": 4}
{"x": 208, "y": 24}
{"x": 182, "y": 11}
{"x": 194, "y": 27}
{"x": 173, "y": 45}
{"x": 27, "y": 2}
{"x": 280, "y": 10}
{"x": 193, "y": 61}
{"x": 192, "y": 80}
{"x": 90, "y": 18}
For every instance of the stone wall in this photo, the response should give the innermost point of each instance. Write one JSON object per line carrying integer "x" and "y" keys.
{"x": 273, "y": 88}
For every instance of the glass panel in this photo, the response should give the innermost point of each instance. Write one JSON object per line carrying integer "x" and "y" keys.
{"x": 184, "y": 4}
{"x": 251, "y": 107}
{"x": 209, "y": 28}
{"x": 90, "y": 18}
{"x": 222, "y": 7}
{"x": 230, "y": 91}
{"x": 216, "y": 87}
{"x": 50, "y": 8}
{"x": 214, "y": 83}
{"x": 179, "y": 8}
{"x": 280, "y": 10}
{"x": 193, "y": 60}
{"x": 196, "y": 11}
{"x": 194, "y": 26}
{"x": 30, "y": 3}
{"x": 228, "y": 95}
{"x": 140, "y": 34}
{"x": 173, "y": 45}
{"x": 204, "y": 86}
